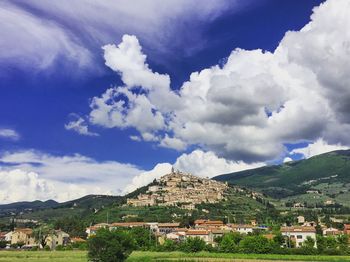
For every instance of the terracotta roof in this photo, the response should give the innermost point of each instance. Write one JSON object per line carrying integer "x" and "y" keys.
{"x": 197, "y": 232}
{"x": 208, "y": 222}
{"x": 27, "y": 231}
{"x": 298, "y": 229}
{"x": 168, "y": 224}
{"x": 241, "y": 226}
{"x": 77, "y": 239}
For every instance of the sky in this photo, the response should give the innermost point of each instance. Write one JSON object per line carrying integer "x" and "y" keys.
{"x": 103, "y": 97}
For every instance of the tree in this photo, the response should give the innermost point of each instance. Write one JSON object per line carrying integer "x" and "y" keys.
{"x": 41, "y": 233}
{"x": 143, "y": 237}
{"x": 74, "y": 226}
{"x": 255, "y": 244}
{"x": 110, "y": 246}
{"x": 309, "y": 242}
{"x": 229, "y": 242}
{"x": 193, "y": 244}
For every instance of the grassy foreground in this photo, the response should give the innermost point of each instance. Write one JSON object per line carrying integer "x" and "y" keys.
{"x": 43, "y": 256}
{"x": 138, "y": 256}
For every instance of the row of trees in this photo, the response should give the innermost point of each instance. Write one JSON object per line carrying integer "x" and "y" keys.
{"x": 118, "y": 244}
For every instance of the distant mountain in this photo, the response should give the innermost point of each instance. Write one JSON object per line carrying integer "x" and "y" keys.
{"x": 46, "y": 210}
{"x": 328, "y": 175}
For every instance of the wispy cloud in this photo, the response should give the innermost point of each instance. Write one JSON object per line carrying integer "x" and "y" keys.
{"x": 9, "y": 134}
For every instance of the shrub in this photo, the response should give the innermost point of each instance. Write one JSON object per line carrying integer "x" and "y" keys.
{"x": 47, "y": 248}
{"x": 3, "y": 243}
{"x": 192, "y": 244}
{"x": 59, "y": 248}
{"x": 107, "y": 246}
{"x": 255, "y": 244}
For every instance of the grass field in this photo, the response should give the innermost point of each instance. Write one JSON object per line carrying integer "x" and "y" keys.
{"x": 138, "y": 256}
{"x": 43, "y": 256}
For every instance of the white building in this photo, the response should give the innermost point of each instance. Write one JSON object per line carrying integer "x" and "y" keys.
{"x": 299, "y": 234}
{"x": 243, "y": 229}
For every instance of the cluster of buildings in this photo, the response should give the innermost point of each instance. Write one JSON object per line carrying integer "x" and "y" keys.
{"x": 209, "y": 230}
{"x": 180, "y": 189}
{"x": 24, "y": 237}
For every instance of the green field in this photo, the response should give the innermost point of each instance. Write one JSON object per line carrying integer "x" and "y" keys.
{"x": 43, "y": 256}
{"x": 138, "y": 256}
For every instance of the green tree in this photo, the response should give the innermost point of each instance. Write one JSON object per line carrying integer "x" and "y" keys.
{"x": 255, "y": 244}
{"x": 74, "y": 226}
{"x": 193, "y": 244}
{"x": 110, "y": 246}
{"x": 229, "y": 242}
{"x": 41, "y": 233}
{"x": 309, "y": 242}
{"x": 143, "y": 237}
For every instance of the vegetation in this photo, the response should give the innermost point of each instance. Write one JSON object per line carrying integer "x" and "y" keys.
{"x": 110, "y": 246}
{"x": 295, "y": 178}
{"x": 43, "y": 256}
{"x": 138, "y": 256}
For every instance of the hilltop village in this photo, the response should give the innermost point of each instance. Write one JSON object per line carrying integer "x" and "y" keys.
{"x": 180, "y": 189}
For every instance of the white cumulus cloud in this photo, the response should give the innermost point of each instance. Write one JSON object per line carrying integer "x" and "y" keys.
{"x": 318, "y": 147}
{"x": 248, "y": 108}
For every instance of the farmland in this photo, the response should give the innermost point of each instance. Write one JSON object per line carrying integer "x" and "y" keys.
{"x": 138, "y": 256}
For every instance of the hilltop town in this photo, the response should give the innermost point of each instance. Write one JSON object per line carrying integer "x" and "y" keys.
{"x": 180, "y": 189}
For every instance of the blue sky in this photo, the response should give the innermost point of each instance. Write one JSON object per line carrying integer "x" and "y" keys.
{"x": 54, "y": 73}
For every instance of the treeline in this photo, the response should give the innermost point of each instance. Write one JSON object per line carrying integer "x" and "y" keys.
{"x": 117, "y": 245}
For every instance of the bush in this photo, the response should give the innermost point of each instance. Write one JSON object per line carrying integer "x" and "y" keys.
{"x": 255, "y": 244}
{"x": 59, "y": 248}
{"x": 193, "y": 245}
{"x": 34, "y": 248}
{"x": 229, "y": 243}
{"x": 47, "y": 248}
{"x": 3, "y": 243}
{"x": 108, "y": 246}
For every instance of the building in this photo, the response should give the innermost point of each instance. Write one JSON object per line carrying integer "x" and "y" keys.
{"x": 298, "y": 234}
{"x": 205, "y": 224}
{"x": 242, "y": 228}
{"x": 347, "y": 229}
{"x": 182, "y": 190}
{"x": 23, "y": 236}
{"x": 331, "y": 231}
{"x": 166, "y": 228}
{"x": 57, "y": 238}
{"x": 301, "y": 219}
{"x": 205, "y": 235}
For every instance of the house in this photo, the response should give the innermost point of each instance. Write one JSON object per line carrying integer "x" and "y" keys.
{"x": 331, "y": 231}
{"x": 127, "y": 224}
{"x": 8, "y": 236}
{"x": 299, "y": 234}
{"x": 165, "y": 228}
{"x": 93, "y": 229}
{"x": 202, "y": 223}
{"x": 301, "y": 219}
{"x": 347, "y": 229}
{"x": 242, "y": 228}
{"x": 57, "y": 238}
{"x": 205, "y": 235}
{"x": 23, "y": 236}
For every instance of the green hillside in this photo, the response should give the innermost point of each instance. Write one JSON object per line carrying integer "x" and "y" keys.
{"x": 327, "y": 174}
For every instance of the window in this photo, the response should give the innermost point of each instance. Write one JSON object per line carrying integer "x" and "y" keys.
{"x": 299, "y": 237}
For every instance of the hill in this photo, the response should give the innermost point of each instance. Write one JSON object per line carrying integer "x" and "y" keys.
{"x": 325, "y": 177}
